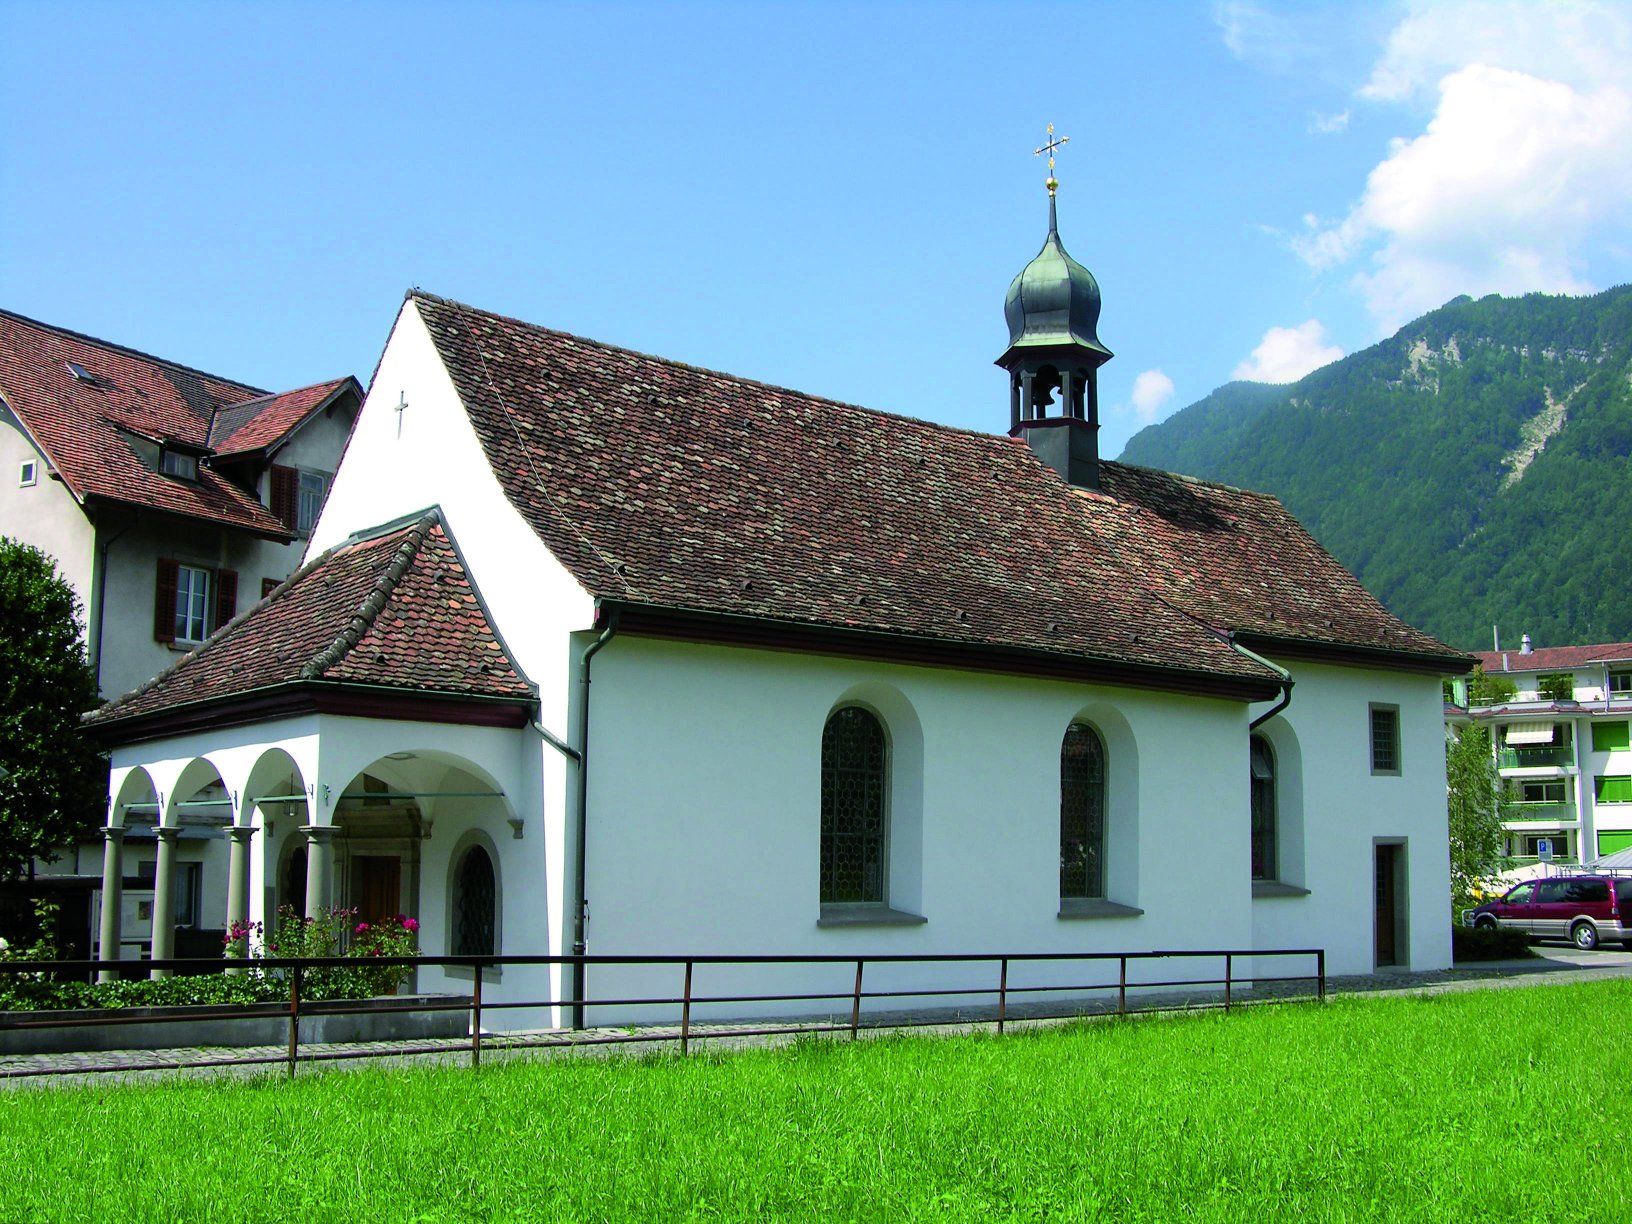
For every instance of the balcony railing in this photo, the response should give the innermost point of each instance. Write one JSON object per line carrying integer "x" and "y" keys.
{"x": 1553, "y": 813}
{"x": 1536, "y": 756}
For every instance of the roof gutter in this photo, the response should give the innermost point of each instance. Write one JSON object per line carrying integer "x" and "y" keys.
{"x": 1286, "y": 682}
{"x": 580, "y": 908}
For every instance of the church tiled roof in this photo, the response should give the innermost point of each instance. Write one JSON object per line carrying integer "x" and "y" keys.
{"x": 85, "y": 426}
{"x": 666, "y": 486}
{"x": 395, "y": 609}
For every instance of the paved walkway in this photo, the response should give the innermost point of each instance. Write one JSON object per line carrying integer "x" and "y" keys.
{"x": 1552, "y": 966}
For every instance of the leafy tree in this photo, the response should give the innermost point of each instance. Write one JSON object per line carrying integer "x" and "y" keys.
{"x": 1477, "y": 806}
{"x": 54, "y": 787}
{"x": 1486, "y": 690}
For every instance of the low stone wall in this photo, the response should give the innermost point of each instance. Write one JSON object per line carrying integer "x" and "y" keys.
{"x": 253, "y": 1024}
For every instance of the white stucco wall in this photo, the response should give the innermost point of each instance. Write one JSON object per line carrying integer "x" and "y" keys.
{"x": 43, "y": 514}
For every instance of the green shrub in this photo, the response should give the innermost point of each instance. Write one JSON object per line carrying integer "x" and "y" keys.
{"x": 1488, "y": 944}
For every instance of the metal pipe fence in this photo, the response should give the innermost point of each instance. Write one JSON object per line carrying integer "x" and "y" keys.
{"x": 1000, "y": 995}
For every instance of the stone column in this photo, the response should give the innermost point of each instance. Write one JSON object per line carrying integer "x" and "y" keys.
{"x": 113, "y": 898}
{"x": 164, "y": 899}
{"x": 238, "y": 876}
{"x": 319, "y": 867}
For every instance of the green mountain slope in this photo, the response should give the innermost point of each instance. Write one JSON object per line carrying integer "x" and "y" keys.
{"x": 1471, "y": 470}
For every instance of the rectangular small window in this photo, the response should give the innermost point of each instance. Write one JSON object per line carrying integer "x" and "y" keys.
{"x": 188, "y": 881}
{"x": 1620, "y": 683}
{"x": 268, "y": 585}
{"x": 192, "y": 603}
{"x": 1612, "y": 789}
{"x": 313, "y": 485}
{"x": 1385, "y": 739}
{"x": 175, "y": 463}
{"x": 28, "y": 473}
{"x": 1610, "y": 736}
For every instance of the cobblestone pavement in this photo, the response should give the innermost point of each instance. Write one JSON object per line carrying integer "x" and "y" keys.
{"x": 1552, "y": 966}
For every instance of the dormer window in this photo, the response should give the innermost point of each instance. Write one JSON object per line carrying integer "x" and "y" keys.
{"x": 178, "y": 464}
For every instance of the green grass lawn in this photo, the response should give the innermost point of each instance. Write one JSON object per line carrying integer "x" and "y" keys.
{"x": 1500, "y": 1105}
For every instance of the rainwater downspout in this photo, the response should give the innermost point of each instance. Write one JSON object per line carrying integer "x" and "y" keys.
{"x": 580, "y": 903}
{"x": 1286, "y": 682}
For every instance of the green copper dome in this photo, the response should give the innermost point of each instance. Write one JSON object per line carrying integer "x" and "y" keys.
{"x": 1054, "y": 300}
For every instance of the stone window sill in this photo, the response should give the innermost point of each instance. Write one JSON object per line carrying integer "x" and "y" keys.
{"x": 1095, "y": 907}
{"x": 862, "y": 914}
{"x": 1274, "y": 888}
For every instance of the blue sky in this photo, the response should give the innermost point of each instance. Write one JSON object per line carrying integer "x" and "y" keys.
{"x": 830, "y": 197}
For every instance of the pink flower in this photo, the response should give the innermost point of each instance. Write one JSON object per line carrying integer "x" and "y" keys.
{"x": 361, "y": 927}
{"x": 410, "y": 925}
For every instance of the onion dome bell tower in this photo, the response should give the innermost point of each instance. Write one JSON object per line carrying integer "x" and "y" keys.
{"x": 1054, "y": 353}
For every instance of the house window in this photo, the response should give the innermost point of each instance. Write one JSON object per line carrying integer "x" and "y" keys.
{"x": 1263, "y": 810}
{"x": 313, "y": 485}
{"x": 268, "y": 585}
{"x": 1610, "y": 737}
{"x": 1543, "y": 792}
{"x": 1530, "y": 846}
{"x": 1385, "y": 739}
{"x": 175, "y": 463}
{"x": 1612, "y": 789}
{"x": 189, "y": 882}
{"x": 28, "y": 472}
{"x": 1556, "y": 686}
{"x": 192, "y": 603}
{"x": 475, "y": 898}
{"x": 1082, "y": 813}
{"x": 855, "y": 780}
{"x": 1620, "y": 683}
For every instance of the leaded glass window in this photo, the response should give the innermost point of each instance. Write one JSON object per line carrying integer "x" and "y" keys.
{"x": 1082, "y": 813}
{"x": 1263, "y": 810}
{"x": 475, "y": 897}
{"x": 854, "y": 785}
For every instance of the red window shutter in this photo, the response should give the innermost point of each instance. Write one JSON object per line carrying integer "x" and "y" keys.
{"x": 285, "y": 494}
{"x": 164, "y": 603}
{"x": 226, "y": 596}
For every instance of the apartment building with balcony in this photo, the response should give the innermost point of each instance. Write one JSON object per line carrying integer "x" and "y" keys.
{"x": 1563, "y": 744}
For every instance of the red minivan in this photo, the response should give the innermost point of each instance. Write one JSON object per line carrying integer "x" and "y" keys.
{"x": 1583, "y": 909}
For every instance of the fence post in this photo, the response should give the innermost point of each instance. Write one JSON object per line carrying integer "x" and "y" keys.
{"x": 685, "y": 1013}
{"x": 1002, "y": 995}
{"x": 1122, "y": 985}
{"x": 476, "y": 1019}
{"x": 1320, "y": 975}
{"x": 294, "y": 1018}
{"x": 855, "y": 1003}
{"x": 1229, "y": 963}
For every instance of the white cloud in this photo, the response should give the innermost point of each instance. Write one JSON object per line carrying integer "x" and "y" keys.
{"x": 1286, "y": 354}
{"x": 1524, "y": 167}
{"x": 1328, "y": 125}
{"x": 1151, "y": 389}
{"x": 1252, "y": 32}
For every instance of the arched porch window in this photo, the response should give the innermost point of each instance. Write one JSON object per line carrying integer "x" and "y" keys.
{"x": 1263, "y": 810}
{"x": 1082, "y": 813}
{"x": 475, "y": 904}
{"x": 855, "y": 783}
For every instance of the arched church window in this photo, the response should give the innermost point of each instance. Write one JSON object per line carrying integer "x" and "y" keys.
{"x": 1263, "y": 810}
{"x": 475, "y": 904}
{"x": 1082, "y": 813}
{"x": 854, "y": 788}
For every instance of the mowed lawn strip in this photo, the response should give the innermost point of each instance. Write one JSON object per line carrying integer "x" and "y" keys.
{"x": 1509, "y": 1104}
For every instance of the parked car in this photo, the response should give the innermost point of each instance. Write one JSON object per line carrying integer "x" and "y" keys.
{"x": 1583, "y": 909}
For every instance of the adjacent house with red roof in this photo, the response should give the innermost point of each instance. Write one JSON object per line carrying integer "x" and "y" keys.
{"x": 862, "y": 684}
{"x": 170, "y": 498}
{"x": 1563, "y": 744}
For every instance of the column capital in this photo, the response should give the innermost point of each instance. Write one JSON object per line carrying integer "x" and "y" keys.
{"x": 320, "y": 833}
{"x": 240, "y": 833}
{"x": 166, "y": 833}
{"x": 114, "y": 833}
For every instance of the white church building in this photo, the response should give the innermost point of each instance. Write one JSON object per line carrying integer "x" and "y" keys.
{"x": 594, "y": 650}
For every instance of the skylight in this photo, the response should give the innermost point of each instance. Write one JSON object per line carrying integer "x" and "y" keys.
{"x": 82, "y": 374}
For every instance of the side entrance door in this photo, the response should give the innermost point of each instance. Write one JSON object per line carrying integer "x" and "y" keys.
{"x": 376, "y": 886}
{"x": 1387, "y": 906}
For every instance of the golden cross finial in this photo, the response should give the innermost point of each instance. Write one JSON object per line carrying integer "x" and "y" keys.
{"x": 1053, "y": 143}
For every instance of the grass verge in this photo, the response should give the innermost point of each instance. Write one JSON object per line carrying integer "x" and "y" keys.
{"x": 1454, "y": 1107}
